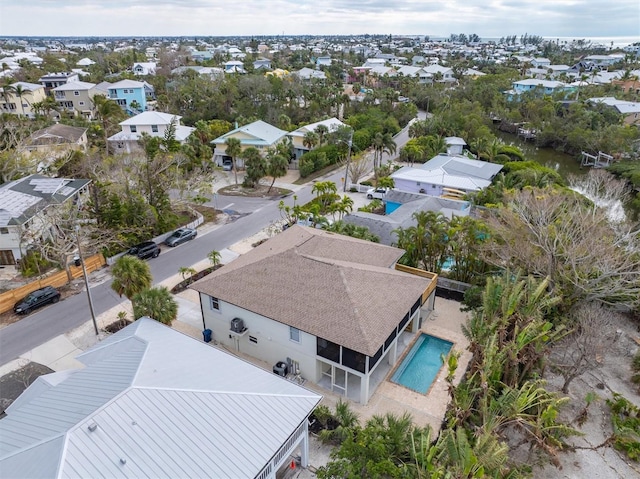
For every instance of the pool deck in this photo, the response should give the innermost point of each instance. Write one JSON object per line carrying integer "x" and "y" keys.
{"x": 426, "y": 409}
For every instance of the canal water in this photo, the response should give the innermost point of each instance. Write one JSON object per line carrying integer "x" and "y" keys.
{"x": 561, "y": 162}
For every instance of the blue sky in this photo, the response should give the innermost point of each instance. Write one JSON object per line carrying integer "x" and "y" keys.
{"x": 487, "y": 18}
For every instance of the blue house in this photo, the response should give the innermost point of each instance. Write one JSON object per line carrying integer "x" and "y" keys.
{"x": 545, "y": 87}
{"x": 125, "y": 92}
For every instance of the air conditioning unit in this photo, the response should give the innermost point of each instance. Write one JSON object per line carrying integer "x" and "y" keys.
{"x": 237, "y": 325}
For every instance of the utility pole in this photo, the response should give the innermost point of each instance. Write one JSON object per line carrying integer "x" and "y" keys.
{"x": 346, "y": 171}
{"x": 86, "y": 281}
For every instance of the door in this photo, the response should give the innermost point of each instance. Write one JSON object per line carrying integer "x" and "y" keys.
{"x": 6, "y": 257}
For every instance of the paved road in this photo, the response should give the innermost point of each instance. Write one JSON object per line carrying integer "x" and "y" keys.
{"x": 39, "y": 327}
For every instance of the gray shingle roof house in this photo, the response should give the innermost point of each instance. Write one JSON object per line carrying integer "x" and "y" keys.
{"x": 327, "y": 301}
{"x": 402, "y": 217}
{"x": 152, "y": 402}
{"x": 21, "y": 201}
{"x": 56, "y": 136}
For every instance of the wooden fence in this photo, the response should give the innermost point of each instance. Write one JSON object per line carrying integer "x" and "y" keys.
{"x": 9, "y": 298}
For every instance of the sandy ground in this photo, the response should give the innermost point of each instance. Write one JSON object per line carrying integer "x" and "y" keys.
{"x": 613, "y": 376}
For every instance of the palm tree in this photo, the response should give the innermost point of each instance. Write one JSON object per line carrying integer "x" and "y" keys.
{"x": 7, "y": 89}
{"x": 131, "y": 276}
{"x": 310, "y": 139}
{"x": 108, "y": 112}
{"x": 234, "y": 148}
{"x": 321, "y": 131}
{"x": 214, "y": 257}
{"x": 157, "y": 303}
{"x": 277, "y": 166}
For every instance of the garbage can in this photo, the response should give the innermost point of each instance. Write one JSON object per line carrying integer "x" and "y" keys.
{"x": 206, "y": 334}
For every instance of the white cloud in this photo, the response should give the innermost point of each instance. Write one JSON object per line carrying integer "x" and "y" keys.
{"x": 494, "y": 18}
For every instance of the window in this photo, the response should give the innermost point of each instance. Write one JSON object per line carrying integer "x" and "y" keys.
{"x": 76, "y": 93}
{"x": 328, "y": 350}
{"x": 154, "y": 128}
{"x": 214, "y": 303}
{"x": 294, "y": 334}
{"x": 253, "y": 339}
{"x": 81, "y": 103}
{"x": 133, "y": 128}
{"x": 4, "y": 231}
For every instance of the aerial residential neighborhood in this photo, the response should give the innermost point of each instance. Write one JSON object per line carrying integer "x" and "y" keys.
{"x": 338, "y": 255}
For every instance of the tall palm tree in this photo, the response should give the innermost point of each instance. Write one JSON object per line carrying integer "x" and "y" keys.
{"x": 131, "y": 276}
{"x": 20, "y": 92}
{"x": 157, "y": 303}
{"x": 234, "y": 148}
{"x": 321, "y": 131}
{"x": 108, "y": 112}
{"x": 7, "y": 89}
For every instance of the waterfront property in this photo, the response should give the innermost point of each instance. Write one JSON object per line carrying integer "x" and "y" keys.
{"x": 332, "y": 308}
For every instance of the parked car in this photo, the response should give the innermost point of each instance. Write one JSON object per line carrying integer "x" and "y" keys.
{"x": 145, "y": 250}
{"x": 376, "y": 193}
{"x": 36, "y": 299}
{"x": 227, "y": 164}
{"x": 180, "y": 235}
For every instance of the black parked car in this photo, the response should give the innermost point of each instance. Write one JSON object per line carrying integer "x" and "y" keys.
{"x": 37, "y": 298}
{"x": 145, "y": 250}
{"x": 181, "y": 235}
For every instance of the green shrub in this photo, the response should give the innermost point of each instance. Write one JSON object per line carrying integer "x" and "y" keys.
{"x": 33, "y": 264}
{"x": 306, "y": 166}
{"x": 626, "y": 426}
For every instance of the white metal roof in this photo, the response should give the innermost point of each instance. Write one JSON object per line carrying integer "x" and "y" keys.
{"x": 164, "y": 405}
{"x": 262, "y": 133}
{"x": 439, "y": 176}
{"x": 152, "y": 118}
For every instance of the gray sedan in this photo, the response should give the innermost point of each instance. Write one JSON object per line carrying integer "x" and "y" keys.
{"x": 180, "y": 236}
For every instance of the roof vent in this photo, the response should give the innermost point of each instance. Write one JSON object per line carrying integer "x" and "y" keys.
{"x": 123, "y": 461}
{"x": 92, "y": 427}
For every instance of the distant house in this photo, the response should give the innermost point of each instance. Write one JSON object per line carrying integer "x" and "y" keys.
{"x": 144, "y": 68}
{"x": 131, "y": 95}
{"x": 53, "y": 80}
{"x": 540, "y": 62}
{"x": 259, "y": 134}
{"x": 603, "y": 61}
{"x": 85, "y": 62}
{"x": 21, "y": 105}
{"x": 630, "y": 110}
{"x": 445, "y": 74}
{"x": 56, "y": 140}
{"x": 337, "y": 312}
{"x": 445, "y": 172}
{"x": 416, "y": 72}
{"x": 234, "y": 66}
{"x": 77, "y": 98}
{"x": 21, "y": 201}
{"x": 262, "y": 64}
{"x": 200, "y": 55}
{"x": 153, "y": 123}
{"x": 309, "y": 74}
{"x": 297, "y": 136}
{"x": 323, "y": 61}
{"x": 211, "y": 72}
{"x": 143, "y": 405}
{"x": 544, "y": 87}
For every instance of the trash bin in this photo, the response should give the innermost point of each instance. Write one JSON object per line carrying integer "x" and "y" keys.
{"x": 206, "y": 334}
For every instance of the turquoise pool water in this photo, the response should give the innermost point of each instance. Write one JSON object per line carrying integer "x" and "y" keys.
{"x": 420, "y": 367}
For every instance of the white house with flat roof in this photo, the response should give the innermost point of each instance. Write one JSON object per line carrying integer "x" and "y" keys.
{"x": 153, "y": 402}
{"x": 331, "y": 307}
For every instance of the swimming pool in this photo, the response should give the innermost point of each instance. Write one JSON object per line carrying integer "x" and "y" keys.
{"x": 420, "y": 366}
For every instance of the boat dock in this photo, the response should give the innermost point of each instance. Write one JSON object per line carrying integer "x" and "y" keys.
{"x": 602, "y": 160}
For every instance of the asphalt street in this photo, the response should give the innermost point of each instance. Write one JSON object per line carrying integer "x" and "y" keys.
{"x": 41, "y": 326}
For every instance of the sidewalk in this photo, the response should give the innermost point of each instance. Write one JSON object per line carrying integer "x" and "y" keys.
{"x": 59, "y": 353}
